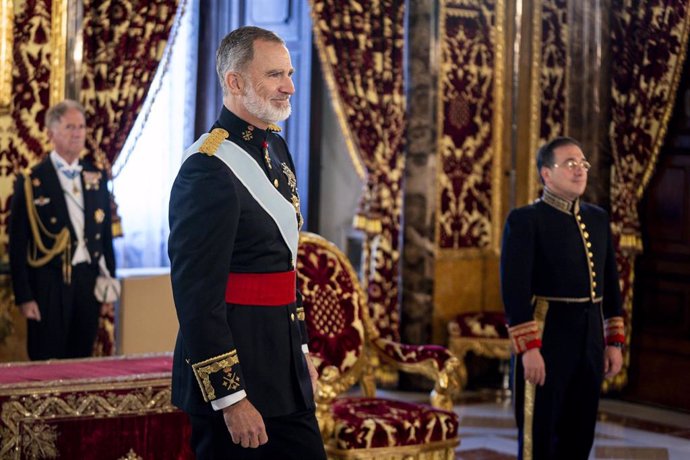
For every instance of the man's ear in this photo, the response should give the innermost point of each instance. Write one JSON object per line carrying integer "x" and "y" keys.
{"x": 545, "y": 174}
{"x": 234, "y": 83}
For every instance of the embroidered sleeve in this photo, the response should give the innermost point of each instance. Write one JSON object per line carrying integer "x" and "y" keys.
{"x": 615, "y": 330}
{"x": 219, "y": 375}
{"x": 525, "y": 336}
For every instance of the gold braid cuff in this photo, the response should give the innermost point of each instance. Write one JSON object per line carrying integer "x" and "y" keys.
{"x": 615, "y": 330}
{"x": 525, "y": 336}
{"x": 222, "y": 363}
{"x": 41, "y": 254}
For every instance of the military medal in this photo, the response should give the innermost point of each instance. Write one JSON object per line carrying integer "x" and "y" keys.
{"x": 267, "y": 158}
{"x": 292, "y": 182}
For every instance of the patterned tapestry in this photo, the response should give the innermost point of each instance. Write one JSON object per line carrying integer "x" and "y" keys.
{"x": 124, "y": 42}
{"x": 360, "y": 46}
{"x": 470, "y": 114}
{"x": 649, "y": 42}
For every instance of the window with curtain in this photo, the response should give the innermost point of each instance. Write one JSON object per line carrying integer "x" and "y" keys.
{"x": 144, "y": 173}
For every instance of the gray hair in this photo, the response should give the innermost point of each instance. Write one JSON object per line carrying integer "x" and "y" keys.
{"x": 56, "y": 112}
{"x": 236, "y": 50}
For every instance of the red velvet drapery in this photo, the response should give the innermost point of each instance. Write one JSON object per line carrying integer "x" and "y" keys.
{"x": 124, "y": 43}
{"x": 361, "y": 49}
{"x": 649, "y": 40}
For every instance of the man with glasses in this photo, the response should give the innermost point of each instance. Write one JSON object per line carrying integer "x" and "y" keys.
{"x": 560, "y": 290}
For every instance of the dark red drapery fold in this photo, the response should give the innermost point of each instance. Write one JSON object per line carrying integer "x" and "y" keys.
{"x": 361, "y": 49}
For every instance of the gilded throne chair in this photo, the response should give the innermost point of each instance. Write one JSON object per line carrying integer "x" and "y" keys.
{"x": 484, "y": 334}
{"x": 346, "y": 348}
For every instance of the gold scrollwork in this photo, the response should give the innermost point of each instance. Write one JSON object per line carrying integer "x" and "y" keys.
{"x": 33, "y": 412}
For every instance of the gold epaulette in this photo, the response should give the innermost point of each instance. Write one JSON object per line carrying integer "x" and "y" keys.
{"x": 274, "y": 128}
{"x": 213, "y": 141}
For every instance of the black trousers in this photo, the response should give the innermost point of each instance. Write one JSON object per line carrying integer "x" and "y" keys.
{"x": 295, "y": 436}
{"x": 69, "y": 314}
{"x": 563, "y": 415}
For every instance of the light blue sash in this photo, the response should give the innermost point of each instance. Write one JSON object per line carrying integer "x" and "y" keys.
{"x": 259, "y": 186}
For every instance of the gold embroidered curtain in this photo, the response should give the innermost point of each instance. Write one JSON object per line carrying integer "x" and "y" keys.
{"x": 360, "y": 45}
{"x": 124, "y": 42}
{"x": 649, "y": 40}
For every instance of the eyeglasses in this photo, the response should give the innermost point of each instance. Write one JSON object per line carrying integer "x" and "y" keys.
{"x": 572, "y": 164}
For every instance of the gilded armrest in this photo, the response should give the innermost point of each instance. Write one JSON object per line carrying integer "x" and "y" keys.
{"x": 433, "y": 361}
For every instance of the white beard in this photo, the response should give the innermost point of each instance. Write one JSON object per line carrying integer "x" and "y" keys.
{"x": 262, "y": 109}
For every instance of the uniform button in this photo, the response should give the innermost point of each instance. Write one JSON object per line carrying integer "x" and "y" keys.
{"x": 275, "y": 182}
{"x": 586, "y": 235}
{"x": 579, "y": 217}
{"x": 590, "y": 255}
{"x": 292, "y": 315}
{"x": 594, "y": 284}
{"x": 98, "y": 236}
{"x": 53, "y": 220}
{"x": 594, "y": 294}
{"x": 583, "y": 226}
{"x": 96, "y": 253}
{"x": 591, "y": 264}
{"x": 589, "y": 245}
{"x": 594, "y": 274}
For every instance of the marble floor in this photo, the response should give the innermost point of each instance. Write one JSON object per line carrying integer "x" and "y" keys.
{"x": 624, "y": 430}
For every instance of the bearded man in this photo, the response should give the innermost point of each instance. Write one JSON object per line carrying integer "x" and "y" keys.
{"x": 241, "y": 366}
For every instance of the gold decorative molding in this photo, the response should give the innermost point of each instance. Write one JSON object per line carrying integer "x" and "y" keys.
{"x": 6, "y": 44}
{"x": 58, "y": 50}
{"x": 32, "y": 413}
{"x": 535, "y": 106}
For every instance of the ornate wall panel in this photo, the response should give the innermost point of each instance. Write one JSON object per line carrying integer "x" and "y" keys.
{"x": 470, "y": 120}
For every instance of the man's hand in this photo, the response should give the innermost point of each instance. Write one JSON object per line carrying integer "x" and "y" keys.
{"x": 613, "y": 361}
{"x": 533, "y": 364}
{"x": 30, "y": 310}
{"x": 313, "y": 375}
{"x": 245, "y": 424}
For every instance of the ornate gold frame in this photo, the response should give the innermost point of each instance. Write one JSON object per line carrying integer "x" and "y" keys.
{"x": 58, "y": 48}
{"x": 6, "y": 45}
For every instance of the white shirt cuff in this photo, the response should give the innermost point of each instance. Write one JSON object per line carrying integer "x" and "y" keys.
{"x": 229, "y": 400}
{"x": 305, "y": 348}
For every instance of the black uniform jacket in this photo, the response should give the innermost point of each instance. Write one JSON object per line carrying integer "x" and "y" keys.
{"x": 217, "y": 228}
{"x": 560, "y": 251}
{"x": 49, "y": 199}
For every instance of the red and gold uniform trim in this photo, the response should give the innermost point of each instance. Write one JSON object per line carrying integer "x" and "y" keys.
{"x": 614, "y": 330}
{"x": 205, "y": 369}
{"x": 525, "y": 336}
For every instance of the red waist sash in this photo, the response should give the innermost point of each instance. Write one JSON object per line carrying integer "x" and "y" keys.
{"x": 265, "y": 289}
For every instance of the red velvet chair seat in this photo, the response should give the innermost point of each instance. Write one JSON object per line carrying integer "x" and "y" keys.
{"x": 486, "y": 325}
{"x": 364, "y": 423}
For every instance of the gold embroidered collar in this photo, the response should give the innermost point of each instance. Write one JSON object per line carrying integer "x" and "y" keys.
{"x": 568, "y": 207}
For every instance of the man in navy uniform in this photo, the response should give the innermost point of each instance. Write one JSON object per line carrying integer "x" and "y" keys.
{"x": 60, "y": 234}
{"x": 241, "y": 366}
{"x": 561, "y": 295}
